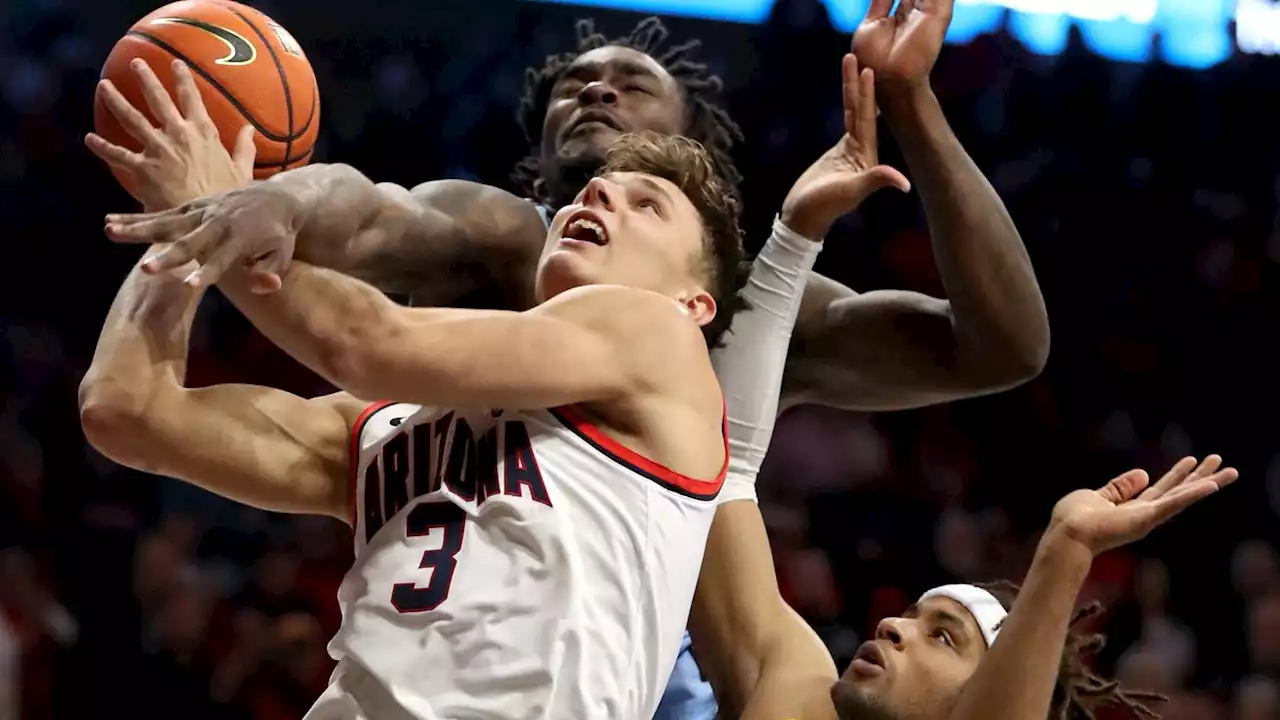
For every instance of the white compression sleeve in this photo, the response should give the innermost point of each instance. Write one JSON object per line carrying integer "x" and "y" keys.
{"x": 750, "y": 364}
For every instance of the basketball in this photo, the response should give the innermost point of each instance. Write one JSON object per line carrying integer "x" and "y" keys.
{"x": 248, "y": 68}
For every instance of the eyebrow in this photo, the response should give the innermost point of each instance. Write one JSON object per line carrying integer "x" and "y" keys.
{"x": 628, "y": 67}
{"x": 653, "y": 185}
{"x": 947, "y": 620}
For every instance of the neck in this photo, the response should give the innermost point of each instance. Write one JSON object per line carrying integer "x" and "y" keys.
{"x": 564, "y": 178}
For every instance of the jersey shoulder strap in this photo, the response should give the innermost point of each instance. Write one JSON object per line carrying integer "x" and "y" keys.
{"x": 545, "y": 212}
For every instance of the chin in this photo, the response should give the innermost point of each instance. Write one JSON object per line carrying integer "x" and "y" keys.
{"x": 563, "y": 270}
{"x": 854, "y": 700}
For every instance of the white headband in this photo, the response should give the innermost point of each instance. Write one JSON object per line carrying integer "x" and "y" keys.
{"x": 982, "y": 605}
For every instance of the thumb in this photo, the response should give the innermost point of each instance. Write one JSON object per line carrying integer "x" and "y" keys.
{"x": 883, "y": 176}
{"x": 265, "y": 274}
{"x": 1125, "y": 487}
{"x": 245, "y": 150}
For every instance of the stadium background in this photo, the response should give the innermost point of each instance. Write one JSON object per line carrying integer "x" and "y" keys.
{"x": 1146, "y": 193}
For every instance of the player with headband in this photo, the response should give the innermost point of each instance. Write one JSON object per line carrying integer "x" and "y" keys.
{"x": 982, "y": 652}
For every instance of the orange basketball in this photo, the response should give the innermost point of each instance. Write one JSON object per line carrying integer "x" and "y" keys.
{"x": 249, "y": 70}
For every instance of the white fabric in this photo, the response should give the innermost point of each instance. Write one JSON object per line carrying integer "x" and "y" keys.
{"x": 511, "y": 564}
{"x": 982, "y": 605}
{"x": 750, "y": 364}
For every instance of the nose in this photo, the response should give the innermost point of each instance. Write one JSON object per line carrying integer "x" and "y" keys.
{"x": 893, "y": 630}
{"x": 599, "y": 92}
{"x": 599, "y": 193}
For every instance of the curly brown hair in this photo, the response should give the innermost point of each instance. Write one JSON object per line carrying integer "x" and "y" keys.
{"x": 688, "y": 165}
{"x": 1080, "y": 691}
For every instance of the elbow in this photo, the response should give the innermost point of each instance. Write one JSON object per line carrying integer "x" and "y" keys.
{"x": 114, "y": 419}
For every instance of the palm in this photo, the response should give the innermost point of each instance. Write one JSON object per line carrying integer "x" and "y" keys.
{"x": 1126, "y": 509}
{"x": 904, "y": 45}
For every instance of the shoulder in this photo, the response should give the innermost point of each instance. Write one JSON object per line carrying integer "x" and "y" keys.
{"x": 649, "y": 333}
{"x": 480, "y": 208}
{"x": 349, "y": 408}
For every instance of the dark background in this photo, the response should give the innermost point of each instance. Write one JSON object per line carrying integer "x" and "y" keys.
{"x": 1146, "y": 195}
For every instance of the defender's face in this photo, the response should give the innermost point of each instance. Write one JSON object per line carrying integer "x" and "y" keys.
{"x": 625, "y": 229}
{"x": 607, "y": 92}
{"x": 915, "y": 667}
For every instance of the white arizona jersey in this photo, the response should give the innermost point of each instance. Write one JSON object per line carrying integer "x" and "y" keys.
{"x": 511, "y": 565}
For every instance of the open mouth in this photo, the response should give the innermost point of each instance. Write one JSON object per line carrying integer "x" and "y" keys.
{"x": 586, "y": 226}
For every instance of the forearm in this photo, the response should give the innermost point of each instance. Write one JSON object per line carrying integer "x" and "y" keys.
{"x": 1017, "y": 676}
{"x": 317, "y": 316}
{"x": 141, "y": 354}
{"x": 751, "y": 363}
{"x": 997, "y": 310}
{"x": 795, "y": 678}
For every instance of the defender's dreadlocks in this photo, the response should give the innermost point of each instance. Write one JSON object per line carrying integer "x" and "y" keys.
{"x": 704, "y": 122}
{"x": 1079, "y": 691}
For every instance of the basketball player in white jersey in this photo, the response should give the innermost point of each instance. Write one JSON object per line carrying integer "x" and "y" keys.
{"x": 531, "y": 530}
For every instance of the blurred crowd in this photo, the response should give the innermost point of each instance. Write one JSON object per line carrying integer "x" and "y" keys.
{"x": 1147, "y": 197}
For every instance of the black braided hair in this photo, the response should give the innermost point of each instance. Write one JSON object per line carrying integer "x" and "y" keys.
{"x": 705, "y": 122}
{"x": 1080, "y": 691}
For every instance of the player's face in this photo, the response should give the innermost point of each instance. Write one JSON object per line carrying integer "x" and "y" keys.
{"x": 604, "y": 93}
{"x": 628, "y": 229}
{"x": 915, "y": 667}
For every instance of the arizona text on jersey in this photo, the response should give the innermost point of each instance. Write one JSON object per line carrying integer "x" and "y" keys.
{"x": 511, "y": 565}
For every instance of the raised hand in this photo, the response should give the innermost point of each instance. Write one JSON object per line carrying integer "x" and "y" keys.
{"x": 1126, "y": 509}
{"x": 253, "y": 227}
{"x": 845, "y": 175}
{"x": 183, "y": 158}
{"x": 903, "y": 46}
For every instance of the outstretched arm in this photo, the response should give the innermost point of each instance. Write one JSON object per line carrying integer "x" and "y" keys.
{"x": 447, "y": 242}
{"x": 590, "y": 344}
{"x": 892, "y": 349}
{"x": 1017, "y": 676}
{"x": 256, "y": 445}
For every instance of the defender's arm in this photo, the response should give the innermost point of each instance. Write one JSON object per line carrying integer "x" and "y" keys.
{"x": 256, "y": 445}
{"x": 597, "y": 343}
{"x": 762, "y": 659}
{"x": 442, "y": 241}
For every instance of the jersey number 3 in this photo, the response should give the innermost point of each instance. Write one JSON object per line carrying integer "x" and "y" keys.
{"x": 449, "y": 521}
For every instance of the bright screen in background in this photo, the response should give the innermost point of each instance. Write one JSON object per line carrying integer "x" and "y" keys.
{"x": 1193, "y": 33}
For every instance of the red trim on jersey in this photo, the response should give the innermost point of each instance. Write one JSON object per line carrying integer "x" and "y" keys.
{"x": 573, "y": 417}
{"x": 354, "y": 449}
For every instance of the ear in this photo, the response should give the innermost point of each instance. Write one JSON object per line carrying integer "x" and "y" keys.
{"x": 701, "y": 307}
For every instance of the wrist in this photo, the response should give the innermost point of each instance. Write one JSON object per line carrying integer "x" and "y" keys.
{"x": 801, "y": 228}
{"x": 1064, "y": 553}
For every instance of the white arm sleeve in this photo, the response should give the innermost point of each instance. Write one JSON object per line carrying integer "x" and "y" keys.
{"x": 750, "y": 364}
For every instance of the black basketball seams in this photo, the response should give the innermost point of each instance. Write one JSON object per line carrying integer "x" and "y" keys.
{"x": 284, "y": 79}
{"x": 294, "y": 133}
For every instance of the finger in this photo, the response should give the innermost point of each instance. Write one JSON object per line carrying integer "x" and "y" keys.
{"x": 904, "y": 10}
{"x": 866, "y": 113}
{"x": 163, "y": 228}
{"x": 172, "y": 257}
{"x": 265, "y": 275}
{"x": 1189, "y": 494}
{"x": 131, "y": 119}
{"x": 158, "y": 100}
{"x": 189, "y": 100}
{"x": 1125, "y": 487}
{"x": 879, "y": 10}
{"x": 885, "y": 176}
{"x": 130, "y": 218}
{"x": 112, "y": 154}
{"x": 849, "y": 88}
{"x": 212, "y": 269}
{"x": 245, "y": 151}
{"x": 187, "y": 248}
{"x": 1175, "y": 477}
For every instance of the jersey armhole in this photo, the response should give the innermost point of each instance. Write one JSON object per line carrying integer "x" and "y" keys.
{"x": 353, "y": 474}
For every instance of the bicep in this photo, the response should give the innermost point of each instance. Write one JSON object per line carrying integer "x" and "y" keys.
{"x": 263, "y": 447}
{"x": 451, "y": 242}
{"x": 882, "y": 350}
